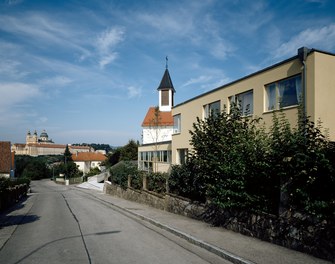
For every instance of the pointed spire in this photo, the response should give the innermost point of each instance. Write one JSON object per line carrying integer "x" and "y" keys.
{"x": 166, "y": 82}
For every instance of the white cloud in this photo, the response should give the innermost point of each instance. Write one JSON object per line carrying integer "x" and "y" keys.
{"x": 13, "y": 2}
{"x": 200, "y": 79}
{"x": 106, "y": 44}
{"x": 10, "y": 68}
{"x": 221, "y": 50}
{"x": 107, "y": 59}
{"x": 56, "y": 81}
{"x": 320, "y": 38}
{"x": 134, "y": 92}
{"x": 42, "y": 31}
{"x": 14, "y": 93}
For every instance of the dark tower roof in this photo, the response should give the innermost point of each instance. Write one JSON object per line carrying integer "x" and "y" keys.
{"x": 166, "y": 82}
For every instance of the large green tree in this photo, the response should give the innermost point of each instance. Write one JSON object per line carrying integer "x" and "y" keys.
{"x": 229, "y": 158}
{"x": 129, "y": 151}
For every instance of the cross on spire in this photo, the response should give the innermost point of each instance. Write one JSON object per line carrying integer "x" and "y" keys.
{"x": 166, "y": 62}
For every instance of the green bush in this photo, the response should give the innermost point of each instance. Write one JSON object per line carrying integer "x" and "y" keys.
{"x": 185, "y": 181}
{"x": 119, "y": 172}
{"x": 236, "y": 165}
{"x": 137, "y": 180}
{"x": 6, "y": 182}
{"x": 229, "y": 160}
{"x": 157, "y": 182}
{"x": 301, "y": 159}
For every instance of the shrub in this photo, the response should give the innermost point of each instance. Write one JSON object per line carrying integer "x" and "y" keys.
{"x": 184, "y": 181}
{"x": 157, "y": 182}
{"x": 229, "y": 160}
{"x": 119, "y": 172}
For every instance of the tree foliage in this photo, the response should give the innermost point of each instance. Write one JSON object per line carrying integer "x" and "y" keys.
{"x": 119, "y": 173}
{"x": 35, "y": 168}
{"x": 228, "y": 156}
{"x": 128, "y": 152}
{"x": 236, "y": 165}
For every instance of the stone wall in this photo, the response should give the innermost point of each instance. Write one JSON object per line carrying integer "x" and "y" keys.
{"x": 292, "y": 230}
{"x": 295, "y": 231}
{"x": 167, "y": 202}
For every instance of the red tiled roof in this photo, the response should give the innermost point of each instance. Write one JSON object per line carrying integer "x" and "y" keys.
{"x": 88, "y": 156}
{"x": 5, "y": 157}
{"x": 164, "y": 119}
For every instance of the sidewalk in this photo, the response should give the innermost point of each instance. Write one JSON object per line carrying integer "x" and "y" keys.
{"x": 232, "y": 246}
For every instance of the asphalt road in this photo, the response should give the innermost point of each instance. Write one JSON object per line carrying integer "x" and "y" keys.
{"x": 63, "y": 224}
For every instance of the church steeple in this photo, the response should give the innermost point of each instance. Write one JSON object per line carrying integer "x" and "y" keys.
{"x": 166, "y": 91}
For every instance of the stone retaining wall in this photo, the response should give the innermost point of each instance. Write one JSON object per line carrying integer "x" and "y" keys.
{"x": 167, "y": 202}
{"x": 294, "y": 231}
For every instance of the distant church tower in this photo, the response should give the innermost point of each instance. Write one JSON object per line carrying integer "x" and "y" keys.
{"x": 166, "y": 91}
{"x": 31, "y": 139}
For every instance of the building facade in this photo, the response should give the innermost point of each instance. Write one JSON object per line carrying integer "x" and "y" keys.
{"x": 7, "y": 160}
{"x": 307, "y": 78}
{"x": 88, "y": 160}
{"x": 42, "y": 145}
{"x": 154, "y": 154}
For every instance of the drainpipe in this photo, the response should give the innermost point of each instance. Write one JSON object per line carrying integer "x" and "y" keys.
{"x": 302, "y": 54}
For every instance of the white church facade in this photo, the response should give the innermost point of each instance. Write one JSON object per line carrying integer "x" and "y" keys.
{"x": 154, "y": 154}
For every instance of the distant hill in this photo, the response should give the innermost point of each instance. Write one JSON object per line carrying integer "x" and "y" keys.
{"x": 97, "y": 146}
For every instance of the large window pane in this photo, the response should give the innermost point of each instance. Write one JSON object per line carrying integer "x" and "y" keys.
{"x": 245, "y": 103}
{"x": 212, "y": 109}
{"x": 271, "y": 97}
{"x": 176, "y": 124}
{"x": 283, "y": 93}
{"x": 288, "y": 92}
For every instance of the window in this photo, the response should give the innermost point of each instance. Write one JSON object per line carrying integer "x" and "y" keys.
{"x": 212, "y": 109}
{"x": 176, "y": 124}
{"x": 182, "y": 155}
{"x": 159, "y": 156}
{"x": 165, "y": 97}
{"x": 244, "y": 102}
{"x": 283, "y": 93}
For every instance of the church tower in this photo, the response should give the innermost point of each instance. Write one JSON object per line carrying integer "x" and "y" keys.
{"x": 166, "y": 92}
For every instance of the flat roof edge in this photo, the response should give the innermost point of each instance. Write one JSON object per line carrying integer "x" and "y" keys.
{"x": 251, "y": 75}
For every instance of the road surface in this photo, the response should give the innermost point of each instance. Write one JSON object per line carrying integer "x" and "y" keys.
{"x": 63, "y": 224}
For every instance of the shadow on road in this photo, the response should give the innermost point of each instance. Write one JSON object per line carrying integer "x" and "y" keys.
{"x": 10, "y": 220}
{"x": 12, "y": 216}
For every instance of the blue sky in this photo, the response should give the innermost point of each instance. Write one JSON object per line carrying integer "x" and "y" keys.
{"x": 87, "y": 71}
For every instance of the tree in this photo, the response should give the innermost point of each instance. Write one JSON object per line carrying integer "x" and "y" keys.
{"x": 114, "y": 157}
{"x": 130, "y": 151}
{"x": 68, "y": 167}
{"x": 67, "y": 154}
{"x": 228, "y": 160}
{"x": 301, "y": 159}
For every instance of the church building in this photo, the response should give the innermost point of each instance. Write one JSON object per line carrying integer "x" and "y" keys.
{"x": 157, "y": 128}
{"x": 42, "y": 145}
